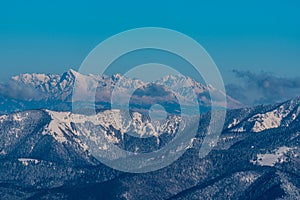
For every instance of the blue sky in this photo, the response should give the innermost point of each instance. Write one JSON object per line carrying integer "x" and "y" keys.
{"x": 52, "y": 36}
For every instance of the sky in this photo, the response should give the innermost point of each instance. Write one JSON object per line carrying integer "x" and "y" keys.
{"x": 53, "y": 36}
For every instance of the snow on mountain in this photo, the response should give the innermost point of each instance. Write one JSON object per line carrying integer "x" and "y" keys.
{"x": 49, "y": 85}
{"x": 43, "y": 156}
{"x": 189, "y": 90}
{"x": 27, "y": 161}
{"x": 282, "y": 115}
{"x": 277, "y": 156}
{"x": 60, "y": 87}
{"x": 23, "y": 133}
{"x": 64, "y": 125}
{"x": 234, "y": 123}
{"x": 186, "y": 89}
{"x": 269, "y": 120}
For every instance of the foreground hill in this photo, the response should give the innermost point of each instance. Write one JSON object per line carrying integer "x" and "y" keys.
{"x": 43, "y": 156}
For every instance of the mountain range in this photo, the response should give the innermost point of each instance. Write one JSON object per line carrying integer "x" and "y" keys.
{"x": 256, "y": 156}
{"x": 55, "y": 92}
{"x": 48, "y": 151}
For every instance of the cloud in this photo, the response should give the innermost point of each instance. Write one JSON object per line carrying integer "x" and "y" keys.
{"x": 262, "y": 88}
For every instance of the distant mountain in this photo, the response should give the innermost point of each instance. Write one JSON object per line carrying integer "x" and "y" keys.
{"x": 43, "y": 156}
{"x": 55, "y": 91}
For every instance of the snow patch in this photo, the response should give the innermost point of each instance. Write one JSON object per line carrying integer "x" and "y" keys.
{"x": 269, "y": 120}
{"x": 17, "y": 117}
{"x": 249, "y": 178}
{"x": 2, "y": 152}
{"x": 271, "y": 159}
{"x": 239, "y": 130}
{"x": 234, "y": 123}
{"x": 26, "y": 161}
{"x": 3, "y": 118}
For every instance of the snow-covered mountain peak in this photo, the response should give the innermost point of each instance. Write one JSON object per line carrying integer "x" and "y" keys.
{"x": 34, "y": 79}
{"x": 173, "y": 78}
{"x": 280, "y": 115}
{"x": 59, "y": 88}
{"x": 67, "y": 124}
{"x": 73, "y": 72}
{"x": 177, "y": 80}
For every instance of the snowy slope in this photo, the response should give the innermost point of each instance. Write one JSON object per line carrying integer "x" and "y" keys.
{"x": 258, "y": 120}
{"x": 64, "y": 125}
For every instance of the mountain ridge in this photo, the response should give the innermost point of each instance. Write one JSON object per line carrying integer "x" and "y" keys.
{"x": 52, "y": 87}
{"x": 248, "y": 164}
